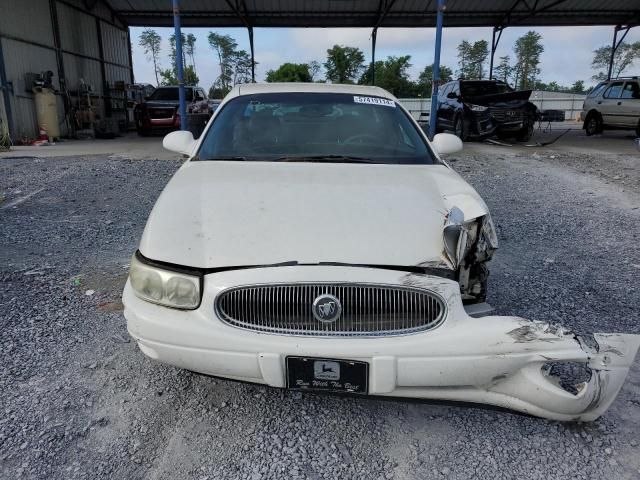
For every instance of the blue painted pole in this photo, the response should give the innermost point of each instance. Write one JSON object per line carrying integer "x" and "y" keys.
{"x": 178, "y": 32}
{"x": 436, "y": 71}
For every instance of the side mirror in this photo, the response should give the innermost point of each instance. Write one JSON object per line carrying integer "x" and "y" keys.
{"x": 180, "y": 142}
{"x": 446, "y": 143}
{"x": 452, "y": 95}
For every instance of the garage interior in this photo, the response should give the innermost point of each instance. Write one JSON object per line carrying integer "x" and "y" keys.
{"x": 74, "y": 58}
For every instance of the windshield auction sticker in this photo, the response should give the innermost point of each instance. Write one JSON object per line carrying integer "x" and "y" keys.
{"x": 374, "y": 101}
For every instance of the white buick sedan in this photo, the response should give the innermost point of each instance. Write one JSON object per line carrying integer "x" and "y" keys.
{"x": 316, "y": 240}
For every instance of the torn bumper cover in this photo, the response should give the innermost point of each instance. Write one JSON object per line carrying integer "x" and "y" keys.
{"x": 510, "y": 362}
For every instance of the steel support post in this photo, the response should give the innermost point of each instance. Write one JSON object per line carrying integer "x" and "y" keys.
{"x": 179, "y": 67}
{"x": 436, "y": 71}
{"x": 253, "y": 63}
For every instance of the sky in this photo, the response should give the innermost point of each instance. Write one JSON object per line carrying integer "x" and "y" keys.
{"x": 567, "y": 55}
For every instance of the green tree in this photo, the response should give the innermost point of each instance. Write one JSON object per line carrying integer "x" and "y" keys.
{"x": 344, "y": 64}
{"x": 577, "y": 87}
{"x": 392, "y": 75}
{"x": 290, "y": 72}
{"x": 503, "y": 71}
{"x": 472, "y": 58}
{"x": 527, "y": 49}
{"x": 425, "y": 79}
{"x": 170, "y": 75}
{"x": 225, "y": 48}
{"x": 464, "y": 51}
{"x": 624, "y": 57}
{"x": 235, "y": 65}
{"x": 479, "y": 54}
{"x": 190, "y": 49}
{"x": 314, "y": 70}
{"x": 150, "y": 41}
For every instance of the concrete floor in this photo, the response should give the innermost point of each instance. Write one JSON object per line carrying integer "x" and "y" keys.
{"x": 144, "y": 148}
{"x": 128, "y": 146}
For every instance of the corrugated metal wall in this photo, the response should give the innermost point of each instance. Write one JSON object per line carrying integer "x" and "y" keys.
{"x": 27, "y": 20}
{"x": 27, "y": 36}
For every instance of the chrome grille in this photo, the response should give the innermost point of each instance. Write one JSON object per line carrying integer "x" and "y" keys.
{"x": 505, "y": 115}
{"x": 367, "y": 309}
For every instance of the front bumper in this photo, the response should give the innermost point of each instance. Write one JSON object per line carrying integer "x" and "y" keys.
{"x": 492, "y": 360}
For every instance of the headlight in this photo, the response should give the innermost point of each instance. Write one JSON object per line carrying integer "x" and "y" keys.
{"x": 477, "y": 108}
{"x": 165, "y": 287}
{"x": 458, "y": 236}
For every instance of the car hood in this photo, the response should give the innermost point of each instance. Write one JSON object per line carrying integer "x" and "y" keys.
{"x": 216, "y": 214}
{"x": 510, "y": 99}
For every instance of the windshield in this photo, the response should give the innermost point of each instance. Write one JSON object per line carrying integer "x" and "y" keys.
{"x": 171, "y": 94}
{"x": 477, "y": 89}
{"x": 314, "y": 127}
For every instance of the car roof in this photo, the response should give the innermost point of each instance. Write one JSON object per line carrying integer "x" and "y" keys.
{"x": 254, "y": 88}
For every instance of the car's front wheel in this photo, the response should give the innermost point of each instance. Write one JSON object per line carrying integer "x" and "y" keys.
{"x": 461, "y": 127}
{"x": 525, "y": 132}
{"x": 593, "y": 124}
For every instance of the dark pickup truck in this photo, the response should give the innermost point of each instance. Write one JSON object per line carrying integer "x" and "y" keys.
{"x": 483, "y": 108}
{"x": 159, "y": 111}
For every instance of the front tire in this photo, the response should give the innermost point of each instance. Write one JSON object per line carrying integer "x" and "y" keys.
{"x": 525, "y": 133}
{"x": 593, "y": 124}
{"x": 461, "y": 127}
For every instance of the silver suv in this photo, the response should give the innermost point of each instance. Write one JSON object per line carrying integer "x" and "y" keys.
{"x": 613, "y": 104}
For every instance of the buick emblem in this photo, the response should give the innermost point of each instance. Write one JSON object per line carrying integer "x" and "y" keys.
{"x": 326, "y": 308}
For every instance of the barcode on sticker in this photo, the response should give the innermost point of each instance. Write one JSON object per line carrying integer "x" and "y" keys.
{"x": 374, "y": 101}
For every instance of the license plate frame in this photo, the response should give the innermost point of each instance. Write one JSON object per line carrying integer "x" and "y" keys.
{"x": 319, "y": 374}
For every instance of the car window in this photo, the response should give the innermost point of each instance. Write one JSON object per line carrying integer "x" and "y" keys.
{"x": 455, "y": 88}
{"x": 170, "y": 94}
{"x": 631, "y": 90}
{"x": 483, "y": 87}
{"x": 613, "y": 91}
{"x": 446, "y": 89}
{"x": 296, "y": 126}
{"x": 597, "y": 90}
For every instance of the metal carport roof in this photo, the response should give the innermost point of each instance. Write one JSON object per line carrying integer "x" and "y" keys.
{"x": 380, "y": 13}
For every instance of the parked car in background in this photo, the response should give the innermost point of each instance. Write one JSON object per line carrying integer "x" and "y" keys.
{"x": 482, "y": 108}
{"x": 159, "y": 111}
{"x": 316, "y": 240}
{"x": 612, "y": 105}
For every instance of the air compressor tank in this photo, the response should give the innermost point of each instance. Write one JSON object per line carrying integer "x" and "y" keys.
{"x": 47, "y": 111}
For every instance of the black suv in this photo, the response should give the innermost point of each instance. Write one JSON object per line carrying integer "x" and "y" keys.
{"x": 482, "y": 108}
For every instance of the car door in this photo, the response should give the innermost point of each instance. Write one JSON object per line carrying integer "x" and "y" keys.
{"x": 630, "y": 104}
{"x": 609, "y": 105}
{"x": 442, "y": 106}
{"x": 448, "y": 107}
{"x": 455, "y": 105}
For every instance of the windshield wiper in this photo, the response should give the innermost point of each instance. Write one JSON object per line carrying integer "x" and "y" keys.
{"x": 326, "y": 158}
{"x": 230, "y": 158}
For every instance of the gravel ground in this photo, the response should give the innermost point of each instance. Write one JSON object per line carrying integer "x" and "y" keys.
{"x": 80, "y": 401}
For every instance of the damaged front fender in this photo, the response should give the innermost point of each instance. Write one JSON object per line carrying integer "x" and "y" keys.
{"x": 518, "y": 364}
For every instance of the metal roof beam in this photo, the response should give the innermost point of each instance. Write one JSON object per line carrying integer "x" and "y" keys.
{"x": 384, "y": 13}
{"x": 239, "y": 14}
